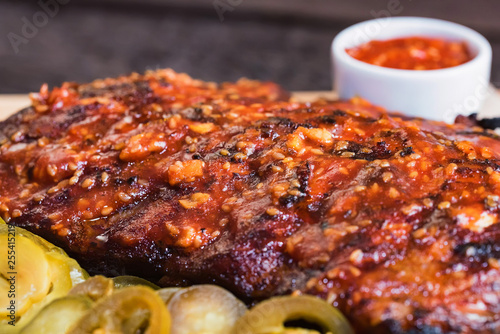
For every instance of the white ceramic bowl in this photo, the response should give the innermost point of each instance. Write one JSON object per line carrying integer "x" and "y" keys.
{"x": 434, "y": 94}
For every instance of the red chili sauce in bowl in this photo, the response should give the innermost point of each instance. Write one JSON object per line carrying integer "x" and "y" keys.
{"x": 413, "y": 53}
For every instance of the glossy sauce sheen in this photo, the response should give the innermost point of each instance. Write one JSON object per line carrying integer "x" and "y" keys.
{"x": 413, "y": 53}
{"x": 392, "y": 220}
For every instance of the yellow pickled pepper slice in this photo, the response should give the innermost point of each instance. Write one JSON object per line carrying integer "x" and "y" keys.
{"x": 41, "y": 272}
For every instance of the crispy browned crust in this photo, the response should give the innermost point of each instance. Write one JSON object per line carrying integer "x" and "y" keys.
{"x": 392, "y": 220}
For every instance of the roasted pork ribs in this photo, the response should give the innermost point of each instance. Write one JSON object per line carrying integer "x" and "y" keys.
{"x": 393, "y": 220}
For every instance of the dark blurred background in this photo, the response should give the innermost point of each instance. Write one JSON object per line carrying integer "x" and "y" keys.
{"x": 286, "y": 41}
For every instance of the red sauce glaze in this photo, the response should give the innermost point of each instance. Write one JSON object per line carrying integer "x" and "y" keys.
{"x": 413, "y": 53}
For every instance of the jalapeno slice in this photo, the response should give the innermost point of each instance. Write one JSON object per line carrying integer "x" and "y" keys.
{"x": 95, "y": 288}
{"x": 125, "y": 281}
{"x": 58, "y": 316}
{"x": 130, "y": 310}
{"x": 270, "y": 316}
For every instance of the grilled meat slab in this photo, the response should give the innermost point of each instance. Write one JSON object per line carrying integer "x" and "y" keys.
{"x": 392, "y": 220}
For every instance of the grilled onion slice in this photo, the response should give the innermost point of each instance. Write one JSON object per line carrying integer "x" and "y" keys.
{"x": 206, "y": 309}
{"x": 269, "y": 317}
{"x": 167, "y": 293}
{"x": 129, "y": 310}
{"x": 40, "y": 272}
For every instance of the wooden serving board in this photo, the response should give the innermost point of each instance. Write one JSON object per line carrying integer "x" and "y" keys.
{"x": 9, "y": 104}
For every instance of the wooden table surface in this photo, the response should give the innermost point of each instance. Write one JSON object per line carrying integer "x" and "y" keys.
{"x": 9, "y": 104}
{"x": 284, "y": 41}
